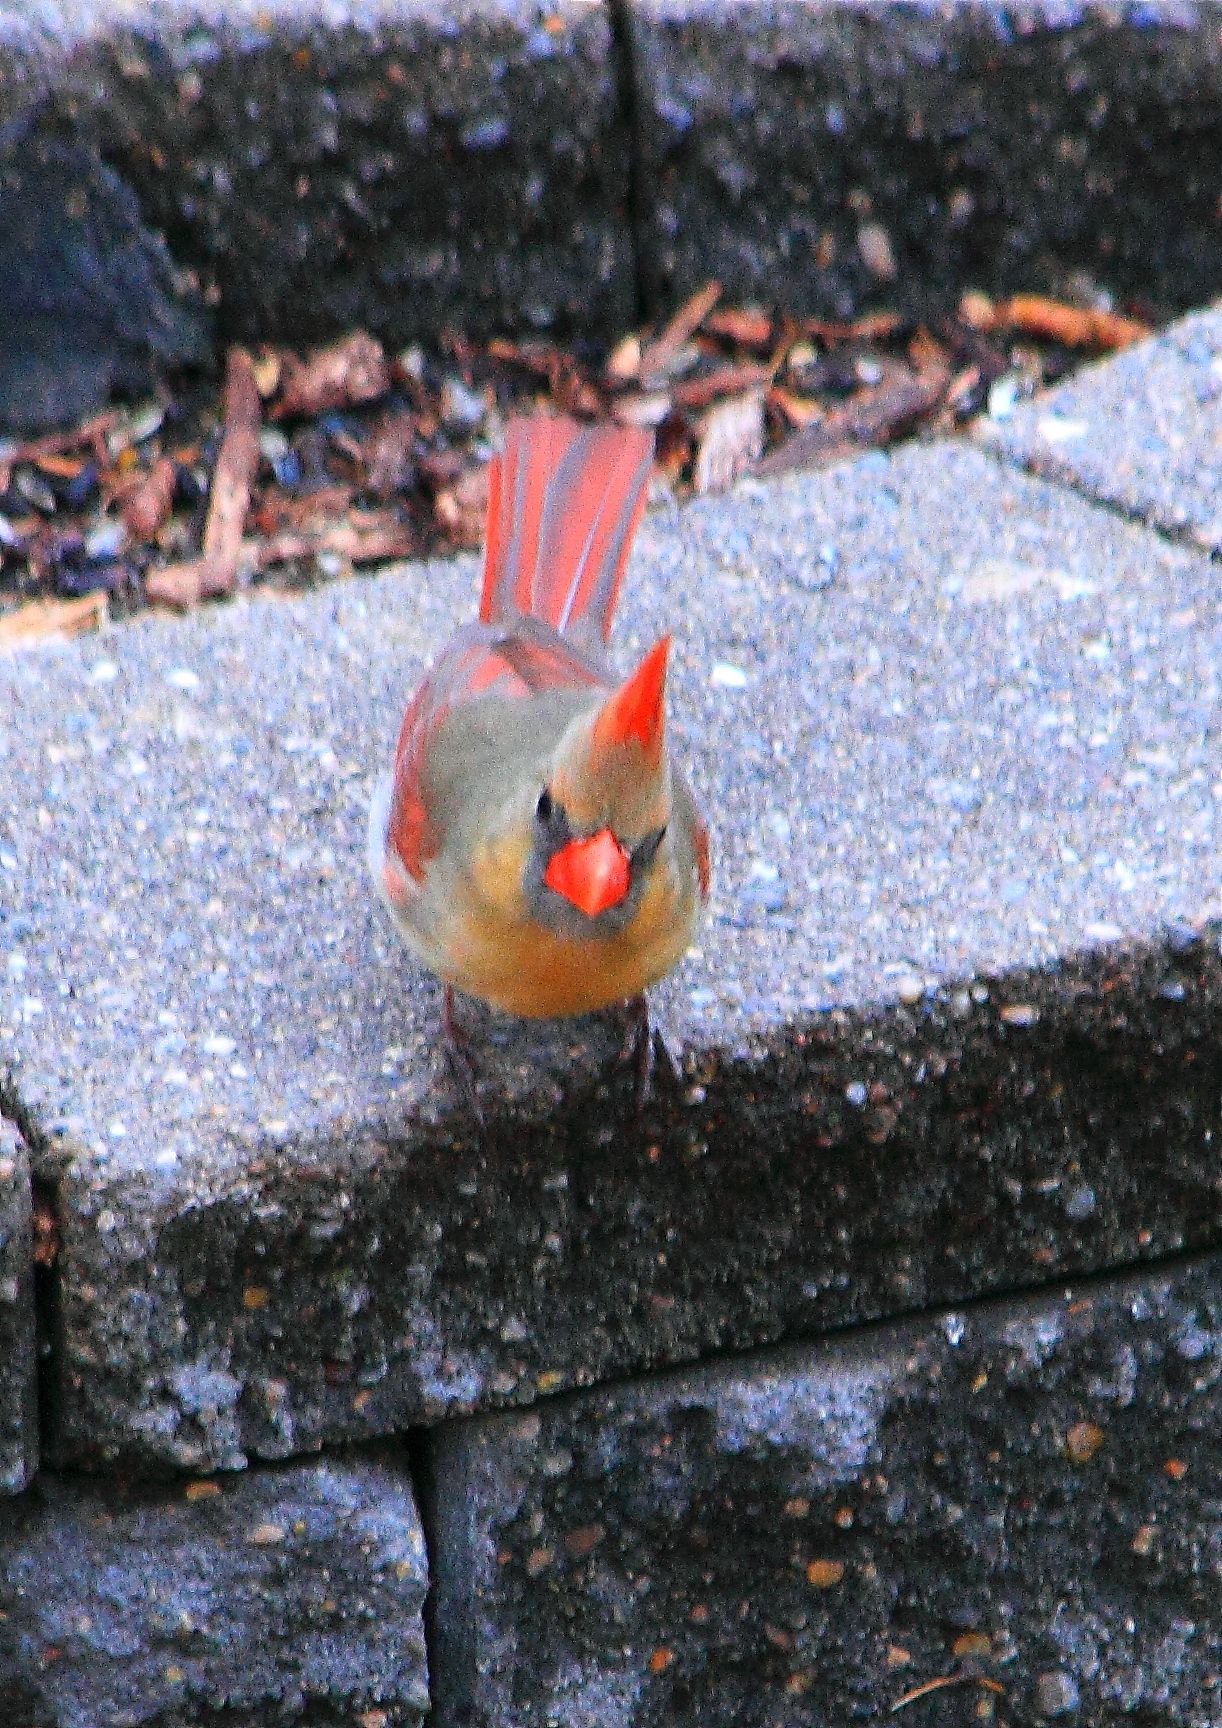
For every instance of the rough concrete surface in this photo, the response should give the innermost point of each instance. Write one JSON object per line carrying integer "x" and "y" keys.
{"x": 285, "y": 1597}
{"x": 1141, "y": 432}
{"x": 953, "y": 1022}
{"x": 18, "y": 1404}
{"x": 404, "y": 165}
{"x": 827, "y": 155}
{"x": 1025, "y": 1497}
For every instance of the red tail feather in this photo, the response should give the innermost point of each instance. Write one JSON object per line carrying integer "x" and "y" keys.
{"x": 563, "y": 504}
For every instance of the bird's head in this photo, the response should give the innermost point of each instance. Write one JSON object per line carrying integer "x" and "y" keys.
{"x": 600, "y": 817}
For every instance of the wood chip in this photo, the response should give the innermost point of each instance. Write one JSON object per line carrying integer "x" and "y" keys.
{"x": 727, "y": 380}
{"x": 46, "y": 620}
{"x": 356, "y": 540}
{"x": 657, "y": 355}
{"x": 731, "y": 438}
{"x": 215, "y": 571}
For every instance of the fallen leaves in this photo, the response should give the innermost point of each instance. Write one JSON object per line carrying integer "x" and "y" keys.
{"x": 347, "y": 455}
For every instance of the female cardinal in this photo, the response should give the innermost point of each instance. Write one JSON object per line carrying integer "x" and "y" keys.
{"x": 533, "y": 842}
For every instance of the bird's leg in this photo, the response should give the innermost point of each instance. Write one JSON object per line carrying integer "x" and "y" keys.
{"x": 637, "y": 1047}
{"x": 457, "y": 1045}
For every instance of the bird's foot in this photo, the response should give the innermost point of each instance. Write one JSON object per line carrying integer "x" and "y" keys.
{"x": 643, "y": 1037}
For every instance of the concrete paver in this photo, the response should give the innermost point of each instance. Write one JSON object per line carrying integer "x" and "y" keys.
{"x": 952, "y": 1022}
{"x": 288, "y": 1596}
{"x": 1021, "y": 1497}
{"x": 410, "y": 166}
{"x": 827, "y": 155}
{"x": 1141, "y": 432}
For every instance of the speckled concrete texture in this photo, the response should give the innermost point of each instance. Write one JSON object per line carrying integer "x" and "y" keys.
{"x": 18, "y": 1404}
{"x": 1022, "y": 1499}
{"x": 830, "y": 155}
{"x": 953, "y": 1023}
{"x": 286, "y": 1598}
{"x": 407, "y": 166}
{"x": 1141, "y": 432}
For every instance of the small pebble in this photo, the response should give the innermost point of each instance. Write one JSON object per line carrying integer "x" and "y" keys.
{"x": 1057, "y": 1694}
{"x": 727, "y": 677}
{"x": 182, "y": 678}
{"x": 1058, "y": 429}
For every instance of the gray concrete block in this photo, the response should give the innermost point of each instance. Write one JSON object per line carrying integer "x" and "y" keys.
{"x": 952, "y": 1026}
{"x": 406, "y": 166}
{"x": 18, "y": 1377}
{"x": 1020, "y": 1496}
{"x": 89, "y": 302}
{"x": 287, "y": 1596}
{"x": 825, "y": 156}
{"x": 1141, "y": 432}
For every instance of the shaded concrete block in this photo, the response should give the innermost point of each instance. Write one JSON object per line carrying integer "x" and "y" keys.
{"x": 406, "y": 166}
{"x": 18, "y": 1381}
{"x": 89, "y": 302}
{"x": 1141, "y": 432}
{"x": 289, "y": 1597}
{"x": 1020, "y": 1499}
{"x": 825, "y": 156}
{"x": 953, "y": 1024}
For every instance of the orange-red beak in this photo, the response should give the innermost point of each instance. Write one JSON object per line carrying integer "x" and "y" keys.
{"x": 591, "y": 873}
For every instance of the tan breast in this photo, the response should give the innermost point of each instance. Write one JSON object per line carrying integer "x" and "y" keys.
{"x": 497, "y": 953}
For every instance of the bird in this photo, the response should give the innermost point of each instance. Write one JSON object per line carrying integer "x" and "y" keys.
{"x": 534, "y": 842}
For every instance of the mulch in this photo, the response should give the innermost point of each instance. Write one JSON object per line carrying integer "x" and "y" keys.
{"x": 296, "y": 468}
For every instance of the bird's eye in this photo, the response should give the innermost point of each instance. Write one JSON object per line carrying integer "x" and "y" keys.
{"x": 644, "y": 853}
{"x": 545, "y": 806}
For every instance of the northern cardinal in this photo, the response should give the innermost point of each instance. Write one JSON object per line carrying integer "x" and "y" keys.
{"x": 533, "y": 842}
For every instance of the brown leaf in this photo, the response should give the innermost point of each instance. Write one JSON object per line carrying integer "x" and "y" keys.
{"x": 731, "y": 437}
{"x": 42, "y": 620}
{"x": 145, "y": 500}
{"x": 1038, "y": 315}
{"x": 351, "y": 370}
{"x": 870, "y": 327}
{"x": 657, "y": 355}
{"x": 237, "y": 461}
